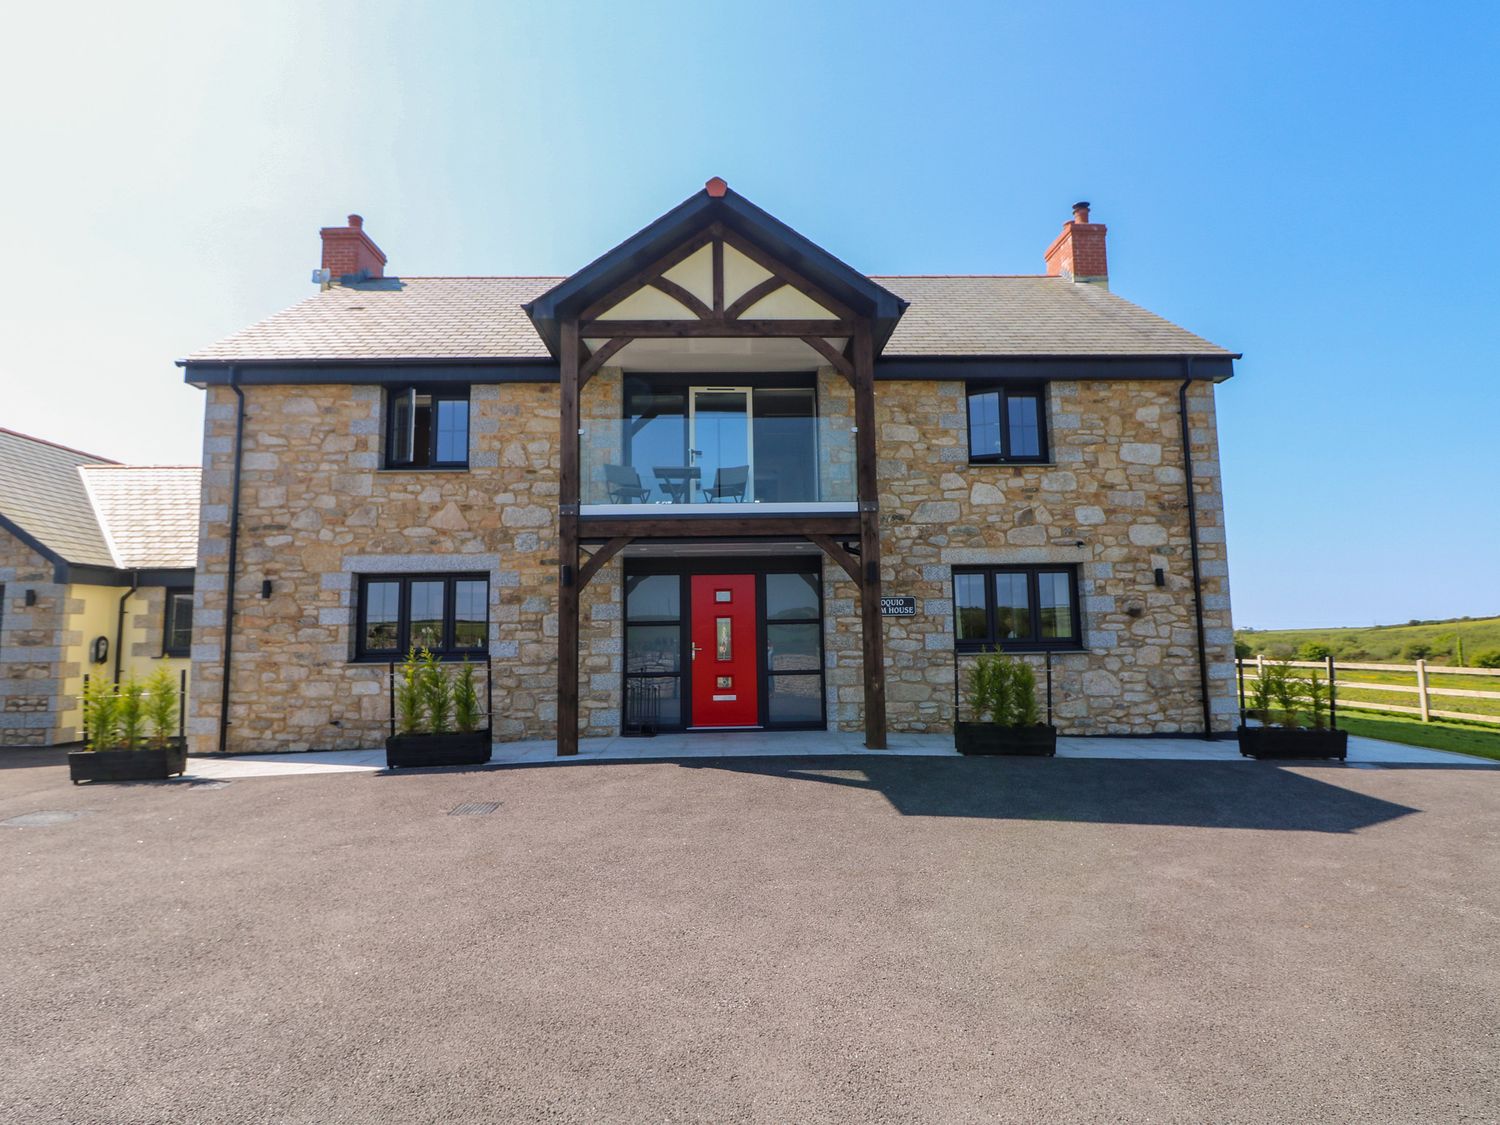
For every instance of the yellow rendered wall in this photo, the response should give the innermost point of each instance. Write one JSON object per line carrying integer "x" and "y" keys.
{"x": 93, "y": 611}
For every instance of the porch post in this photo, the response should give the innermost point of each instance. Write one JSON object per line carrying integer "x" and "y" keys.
{"x": 871, "y": 626}
{"x": 567, "y": 516}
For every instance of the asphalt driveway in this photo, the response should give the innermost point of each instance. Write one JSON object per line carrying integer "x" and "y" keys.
{"x": 851, "y": 939}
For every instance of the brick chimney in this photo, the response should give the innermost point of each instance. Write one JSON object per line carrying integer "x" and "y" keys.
{"x": 349, "y": 252}
{"x": 1078, "y": 253}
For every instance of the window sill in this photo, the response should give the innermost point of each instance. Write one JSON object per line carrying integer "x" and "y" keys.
{"x": 423, "y": 469}
{"x": 443, "y": 658}
{"x": 1012, "y": 464}
{"x": 1022, "y": 651}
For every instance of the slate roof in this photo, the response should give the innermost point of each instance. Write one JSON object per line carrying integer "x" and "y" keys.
{"x": 481, "y": 318}
{"x": 42, "y": 493}
{"x": 91, "y": 511}
{"x": 149, "y": 513}
{"x": 1029, "y": 316}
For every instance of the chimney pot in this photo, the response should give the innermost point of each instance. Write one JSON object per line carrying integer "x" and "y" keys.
{"x": 1078, "y": 252}
{"x": 358, "y": 222}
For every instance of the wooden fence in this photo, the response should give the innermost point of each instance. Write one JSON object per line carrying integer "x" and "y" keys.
{"x": 1420, "y": 687}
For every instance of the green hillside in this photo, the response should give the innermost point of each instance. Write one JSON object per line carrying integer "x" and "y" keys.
{"x": 1382, "y": 644}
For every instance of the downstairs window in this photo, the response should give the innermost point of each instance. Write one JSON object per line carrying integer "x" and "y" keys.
{"x": 445, "y": 613}
{"x": 1016, "y": 608}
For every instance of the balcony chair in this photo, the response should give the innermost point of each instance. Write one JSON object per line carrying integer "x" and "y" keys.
{"x": 729, "y": 484}
{"x": 624, "y": 485}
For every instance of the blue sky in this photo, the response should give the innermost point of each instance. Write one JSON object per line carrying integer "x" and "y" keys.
{"x": 1307, "y": 184}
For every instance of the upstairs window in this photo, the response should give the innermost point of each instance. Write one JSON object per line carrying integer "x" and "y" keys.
{"x": 427, "y": 428}
{"x": 1007, "y": 424}
{"x": 177, "y": 632}
{"x": 1016, "y": 607}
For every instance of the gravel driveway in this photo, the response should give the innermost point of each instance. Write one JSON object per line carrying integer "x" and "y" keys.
{"x": 852, "y": 939}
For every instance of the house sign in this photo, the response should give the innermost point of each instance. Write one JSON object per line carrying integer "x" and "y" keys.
{"x": 898, "y": 607}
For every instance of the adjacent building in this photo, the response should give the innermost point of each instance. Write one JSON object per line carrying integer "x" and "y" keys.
{"x": 96, "y": 579}
{"x": 717, "y": 479}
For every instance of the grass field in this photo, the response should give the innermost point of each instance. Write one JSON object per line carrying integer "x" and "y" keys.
{"x": 1384, "y": 643}
{"x": 1436, "y": 735}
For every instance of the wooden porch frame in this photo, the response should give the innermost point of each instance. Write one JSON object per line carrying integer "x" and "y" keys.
{"x": 856, "y": 364}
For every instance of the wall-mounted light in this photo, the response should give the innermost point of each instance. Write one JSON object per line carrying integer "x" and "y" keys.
{"x": 1161, "y": 576}
{"x": 31, "y": 597}
{"x": 265, "y": 588}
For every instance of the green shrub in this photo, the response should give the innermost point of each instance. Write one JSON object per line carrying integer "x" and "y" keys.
{"x": 1316, "y": 695}
{"x": 1314, "y": 650}
{"x": 409, "y": 700}
{"x": 101, "y": 713}
{"x": 1023, "y": 694}
{"x": 1487, "y": 658}
{"x": 437, "y": 693}
{"x": 1417, "y": 650}
{"x": 1243, "y": 649}
{"x": 132, "y": 705}
{"x": 1002, "y": 691}
{"x": 465, "y": 699}
{"x": 161, "y": 705}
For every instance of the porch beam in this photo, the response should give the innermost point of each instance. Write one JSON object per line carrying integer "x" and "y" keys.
{"x": 606, "y": 352}
{"x": 601, "y": 528}
{"x": 601, "y": 556}
{"x": 835, "y": 357}
{"x": 793, "y": 278}
{"x": 568, "y": 579}
{"x": 756, "y": 292}
{"x": 718, "y": 276}
{"x": 872, "y": 627}
{"x": 644, "y": 277}
{"x": 840, "y": 556}
{"x": 701, "y": 329}
{"x": 682, "y": 297}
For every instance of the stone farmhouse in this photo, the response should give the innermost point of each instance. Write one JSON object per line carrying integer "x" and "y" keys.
{"x": 717, "y": 479}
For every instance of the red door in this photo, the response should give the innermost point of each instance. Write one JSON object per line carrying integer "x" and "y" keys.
{"x": 723, "y": 653}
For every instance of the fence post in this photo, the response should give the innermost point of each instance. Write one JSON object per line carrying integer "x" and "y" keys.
{"x": 1260, "y": 665}
{"x": 1333, "y": 695}
{"x": 1422, "y": 690}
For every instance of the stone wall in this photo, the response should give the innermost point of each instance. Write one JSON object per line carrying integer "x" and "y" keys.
{"x": 1115, "y": 484}
{"x": 317, "y": 510}
{"x": 32, "y": 666}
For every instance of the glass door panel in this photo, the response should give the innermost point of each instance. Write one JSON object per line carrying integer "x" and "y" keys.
{"x": 720, "y": 448}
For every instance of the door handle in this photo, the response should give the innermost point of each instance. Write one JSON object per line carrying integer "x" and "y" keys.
{"x": 694, "y": 655}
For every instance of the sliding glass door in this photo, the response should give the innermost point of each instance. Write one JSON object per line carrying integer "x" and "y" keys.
{"x": 719, "y": 428}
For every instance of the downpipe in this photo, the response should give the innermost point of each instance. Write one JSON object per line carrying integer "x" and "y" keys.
{"x": 1192, "y": 513}
{"x": 234, "y": 554}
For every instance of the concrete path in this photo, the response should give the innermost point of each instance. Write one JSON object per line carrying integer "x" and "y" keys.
{"x": 1363, "y": 752}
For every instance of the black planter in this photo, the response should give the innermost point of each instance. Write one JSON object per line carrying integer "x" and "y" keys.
{"x": 987, "y": 738}
{"x": 129, "y": 765}
{"x": 1291, "y": 742}
{"x": 453, "y": 749}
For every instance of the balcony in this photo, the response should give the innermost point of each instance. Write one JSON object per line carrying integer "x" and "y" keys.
{"x": 717, "y": 450}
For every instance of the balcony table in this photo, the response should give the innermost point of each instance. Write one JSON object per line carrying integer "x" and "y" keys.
{"x": 677, "y": 481}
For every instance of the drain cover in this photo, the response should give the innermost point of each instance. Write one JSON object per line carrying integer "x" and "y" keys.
{"x": 41, "y": 819}
{"x": 474, "y": 808}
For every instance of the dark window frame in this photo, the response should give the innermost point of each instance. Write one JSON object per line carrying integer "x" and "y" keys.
{"x": 1034, "y": 642}
{"x": 448, "y": 651}
{"x": 1005, "y": 391}
{"x": 427, "y": 459}
{"x": 169, "y": 621}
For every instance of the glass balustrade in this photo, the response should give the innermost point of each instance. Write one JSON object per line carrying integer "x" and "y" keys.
{"x": 723, "y": 447}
